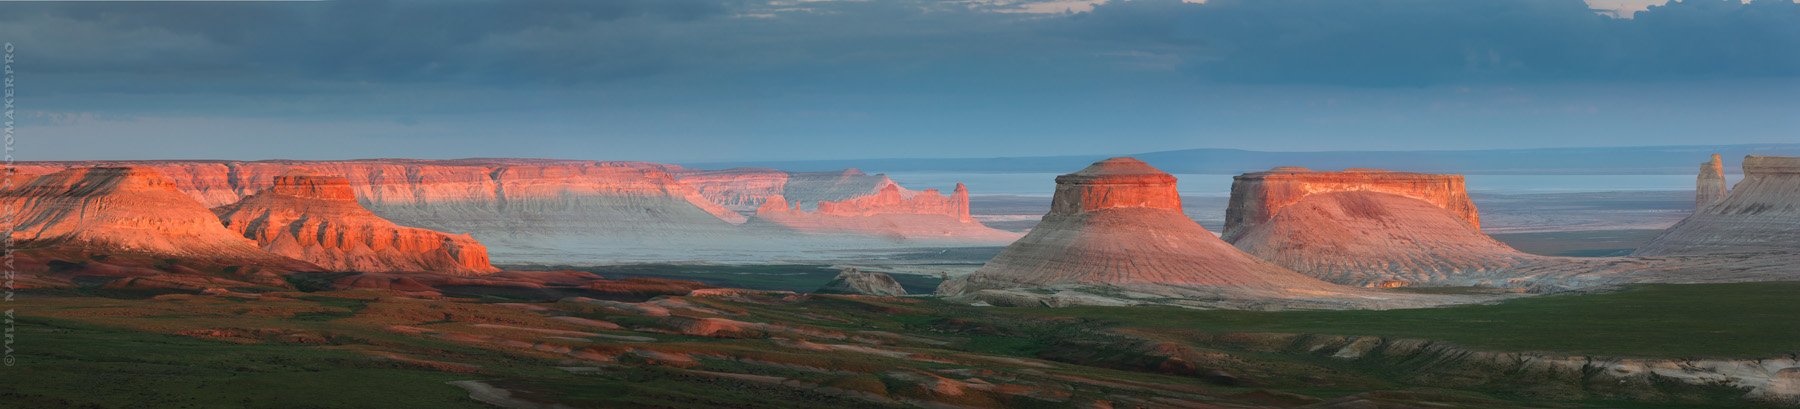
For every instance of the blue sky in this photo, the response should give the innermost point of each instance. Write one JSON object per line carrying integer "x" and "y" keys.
{"x": 703, "y": 80}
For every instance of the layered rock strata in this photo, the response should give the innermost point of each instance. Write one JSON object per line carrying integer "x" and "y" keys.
{"x": 924, "y": 216}
{"x": 1364, "y": 227}
{"x": 1118, "y": 223}
{"x": 317, "y": 219}
{"x": 120, "y": 209}
{"x": 1761, "y": 215}
{"x": 1258, "y": 197}
{"x": 1709, "y": 187}
{"x": 536, "y": 210}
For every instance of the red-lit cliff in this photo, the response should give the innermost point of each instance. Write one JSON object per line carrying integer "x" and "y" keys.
{"x": 1363, "y": 226}
{"x": 317, "y": 219}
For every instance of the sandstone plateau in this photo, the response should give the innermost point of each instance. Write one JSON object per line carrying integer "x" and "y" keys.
{"x": 317, "y": 219}
{"x": 1760, "y": 215}
{"x": 1118, "y": 224}
{"x": 121, "y": 222}
{"x": 539, "y": 210}
{"x": 121, "y": 209}
{"x": 1363, "y": 226}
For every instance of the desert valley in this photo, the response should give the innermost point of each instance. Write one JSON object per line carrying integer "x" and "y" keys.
{"x": 941, "y": 204}
{"x": 528, "y": 283}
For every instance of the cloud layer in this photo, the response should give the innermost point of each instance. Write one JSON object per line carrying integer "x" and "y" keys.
{"x": 795, "y": 73}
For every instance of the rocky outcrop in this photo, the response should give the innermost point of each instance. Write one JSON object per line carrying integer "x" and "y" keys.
{"x": 317, "y": 219}
{"x": 1258, "y": 197}
{"x": 1118, "y": 223}
{"x": 529, "y": 210}
{"x": 853, "y": 281}
{"x": 1709, "y": 187}
{"x": 1364, "y": 227}
{"x": 124, "y": 210}
{"x": 1761, "y": 215}
{"x": 742, "y": 190}
{"x": 924, "y": 216}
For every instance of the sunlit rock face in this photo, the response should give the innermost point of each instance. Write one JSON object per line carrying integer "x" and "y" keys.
{"x": 1709, "y": 187}
{"x": 317, "y": 219}
{"x": 1258, "y": 197}
{"x": 1119, "y": 223}
{"x": 121, "y": 209}
{"x": 926, "y": 217}
{"x": 740, "y": 189}
{"x": 538, "y": 210}
{"x": 745, "y": 189}
{"x": 1363, "y": 227}
{"x": 1761, "y": 214}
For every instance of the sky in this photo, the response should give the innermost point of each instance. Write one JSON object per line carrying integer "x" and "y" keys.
{"x": 734, "y": 80}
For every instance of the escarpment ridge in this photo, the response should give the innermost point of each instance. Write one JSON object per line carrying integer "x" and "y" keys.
{"x": 543, "y": 210}
{"x": 1760, "y": 215}
{"x": 317, "y": 219}
{"x": 121, "y": 209}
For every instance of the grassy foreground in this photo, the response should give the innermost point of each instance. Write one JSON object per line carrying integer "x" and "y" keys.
{"x": 1748, "y": 320}
{"x": 364, "y": 349}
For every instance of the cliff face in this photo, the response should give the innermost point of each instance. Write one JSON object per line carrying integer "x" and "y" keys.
{"x": 1257, "y": 197}
{"x": 567, "y": 211}
{"x": 1709, "y": 187}
{"x": 925, "y": 216}
{"x": 740, "y": 189}
{"x": 1119, "y": 223}
{"x": 120, "y": 209}
{"x": 1759, "y": 215}
{"x": 1364, "y": 227}
{"x": 745, "y": 189}
{"x": 317, "y": 219}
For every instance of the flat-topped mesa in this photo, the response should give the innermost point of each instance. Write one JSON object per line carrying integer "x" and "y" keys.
{"x": 317, "y": 219}
{"x": 121, "y": 209}
{"x": 1119, "y": 223}
{"x": 1115, "y": 183}
{"x": 1366, "y": 227}
{"x": 1761, "y": 214}
{"x": 1256, "y": 197}
{"x": 1709, "y": 187}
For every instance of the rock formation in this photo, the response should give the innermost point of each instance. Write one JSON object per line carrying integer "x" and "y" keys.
{"x": 925, "y": 216}
{"x": 1709, "y": 187}
{"x": 317, "y": 219}
{"x": 1118, "y": 223}
{"x": 126, "y": 222}
{"x": 121, "y": 209}
{"x": 1257, "y": 197}
{"x": 1760, "y": 215}
{"x": 1363, "y": 227}
{"x": 565, "y": 210}
{"x": 742, "y": 190}
{"x": 853, "y": 281}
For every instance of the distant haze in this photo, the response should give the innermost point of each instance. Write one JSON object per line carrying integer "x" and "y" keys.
{"x": 737, "y": 81}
